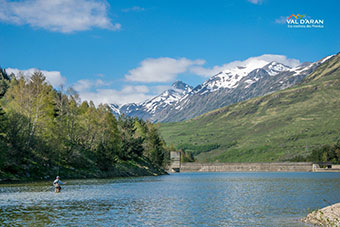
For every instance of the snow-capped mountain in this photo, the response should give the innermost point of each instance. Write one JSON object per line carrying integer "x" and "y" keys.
{"x": 230, "y": 78}
{"x": 235, "y": 84}
{"x": 149, "y": 108}
{"x": 115, "y": 109}
{"x": 274, "y": 68}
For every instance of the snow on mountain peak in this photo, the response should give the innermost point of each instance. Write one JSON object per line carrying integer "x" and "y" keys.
{"x": 326, "y": 58}
{"x": 306, "y": 67}
{"x": 239, "y": 80}
{"x": 180, "y": 85}
{"x": 115, "y": 108}
{"x": 168, "y": 97}
{"x": 274, "y": 68}
{"x": 230, "y": 77}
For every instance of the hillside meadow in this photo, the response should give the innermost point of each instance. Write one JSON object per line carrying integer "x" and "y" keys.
{"x": 277, "y": 127}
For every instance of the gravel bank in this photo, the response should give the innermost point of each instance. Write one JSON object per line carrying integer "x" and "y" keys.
{"x": 328, "y": 216}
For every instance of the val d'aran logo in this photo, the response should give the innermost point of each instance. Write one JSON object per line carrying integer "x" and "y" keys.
{"x": 302, "y": 21}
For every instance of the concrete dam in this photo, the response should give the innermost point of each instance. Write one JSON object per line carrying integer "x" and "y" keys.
{"x": 247, "y": 167}
{"x": 177, "y": 166}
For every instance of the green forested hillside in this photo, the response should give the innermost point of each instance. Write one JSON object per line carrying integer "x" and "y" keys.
{"x": 276, "y": 127}
{"x": 45, "y": 132}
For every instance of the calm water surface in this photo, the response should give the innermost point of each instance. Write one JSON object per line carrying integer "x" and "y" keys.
{"x": 185, "y": 199}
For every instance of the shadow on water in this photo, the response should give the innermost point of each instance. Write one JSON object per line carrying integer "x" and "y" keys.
{"x": 206, "y": 199}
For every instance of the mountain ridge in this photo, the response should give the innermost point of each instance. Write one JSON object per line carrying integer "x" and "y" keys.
{"x": 229, "y": 86}
{"x": 146, "y": 109}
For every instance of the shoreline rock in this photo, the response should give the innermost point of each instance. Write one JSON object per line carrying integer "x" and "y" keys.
{"x": 327, "y": 216}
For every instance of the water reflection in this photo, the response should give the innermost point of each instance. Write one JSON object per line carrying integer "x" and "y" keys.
{"x": 187, "y": 199}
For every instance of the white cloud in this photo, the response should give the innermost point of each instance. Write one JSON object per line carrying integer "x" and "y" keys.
{"x": 256, "y": 2}
{"x": 134, "y": 9}
{"x": 95, "y": 90}
{"x": 251, "y": 63}
{"x": 156, "y": 90}
{"x": 128, "y": 94}
{"x": 58, "y": 15}
{"x": 53, "y": 77}
{"x": 151, "y": 70}
{"x": 281, "y": 20}
{"x": 161, "y": 69}
{"x": 84, "y": 85}
{"x": 138, "y": 89}
{"x": 100, "y": 82}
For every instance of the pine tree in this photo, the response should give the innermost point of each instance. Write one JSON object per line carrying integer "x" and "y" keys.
{"x": 4, "y": 81}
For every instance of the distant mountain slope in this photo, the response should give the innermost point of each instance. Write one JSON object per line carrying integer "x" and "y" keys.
{"x": 232, "y": 85}
{"x": 148, "y": 110}
{"x": 227, "y": 88}
{"x": 275, "y": 127}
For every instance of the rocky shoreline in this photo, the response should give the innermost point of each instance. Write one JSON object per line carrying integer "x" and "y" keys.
{"x": 327, "y": 216}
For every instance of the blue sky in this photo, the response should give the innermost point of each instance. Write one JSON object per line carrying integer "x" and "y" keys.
{"x": 124, "y": 50}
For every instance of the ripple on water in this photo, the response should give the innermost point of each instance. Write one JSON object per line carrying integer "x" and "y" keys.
{"x": 188, "y": 199}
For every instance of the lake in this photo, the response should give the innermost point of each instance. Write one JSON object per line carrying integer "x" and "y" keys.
{"x": 184, "y": 199}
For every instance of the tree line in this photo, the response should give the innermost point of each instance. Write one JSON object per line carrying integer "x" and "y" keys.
{"x": 325, "y": 153}
{"x": 43, "y": 129}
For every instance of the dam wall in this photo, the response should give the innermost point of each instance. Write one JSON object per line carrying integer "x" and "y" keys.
{"x": 248, "y": 167}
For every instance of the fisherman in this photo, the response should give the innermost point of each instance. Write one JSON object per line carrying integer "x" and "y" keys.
{"x": 57, "y": 182}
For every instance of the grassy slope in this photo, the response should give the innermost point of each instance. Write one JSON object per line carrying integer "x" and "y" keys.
{"x": 274, "y": 127}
